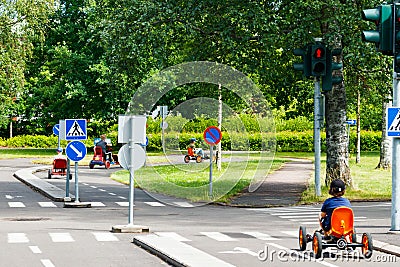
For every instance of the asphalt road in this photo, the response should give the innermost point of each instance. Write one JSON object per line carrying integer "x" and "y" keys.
{"x": 36, "y": 231}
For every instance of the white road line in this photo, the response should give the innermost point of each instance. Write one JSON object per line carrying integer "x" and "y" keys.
{"x": 301, "y": 255}
{"x": 102, "y": 190}
{"x": 16, "y": 205}
{"x": 35, "y": 249}
{"x": 295, "y": 213}
{"x": 9, "y": 197}
{"x": 85, "y": 183}
{"x": 112, "y": 194}
{"x": 155, "y": 204}
{"x": 94, "y": 187}
{"x": 260, "y": 236}
{"x": 47, "y": 204}
{"x": 184, "y": 204}
{"x": 47, "y": 263}
{"x": 218, "y": 236}
{"x": 97, "y": 204}
{"x": 17, "y": 238}
{"x": 122, "y": 197}
{"x": 61, "y": 237}
{"x": 105, "y": 237}
{"x": 291, "y": 233}
{"x": 173, "y": 235}
{"x": 299, "y": 216}
{"x": 123, "y": 204}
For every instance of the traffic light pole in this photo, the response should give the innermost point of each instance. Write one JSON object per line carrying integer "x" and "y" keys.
{"x": 317, "y": 136}
{"x": 395, "y": 214}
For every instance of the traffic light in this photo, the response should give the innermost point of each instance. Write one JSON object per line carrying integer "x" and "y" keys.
{"x": 318, "y": 60}
{"x": 305, "y": 66}
{"x": 383, "y": 35}
{"x": 397, "y": 38}
{"x": 329, "y": 80}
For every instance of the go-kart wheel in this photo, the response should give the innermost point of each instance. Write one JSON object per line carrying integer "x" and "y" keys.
{"x": 199, "y": 159}
{"x": 354, "y": 237}
{"x": 107, "y": 164}
{"x": 302, "y": 238}
{"x": 317, "y": 245}
{"x": 186, "y": 159}
{"x": 91, "y": 166}
{"x": 367, "y": 245}
{"x": 49, "y": 174}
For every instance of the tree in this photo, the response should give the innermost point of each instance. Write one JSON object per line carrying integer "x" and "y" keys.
{"x": 20, "y": 25}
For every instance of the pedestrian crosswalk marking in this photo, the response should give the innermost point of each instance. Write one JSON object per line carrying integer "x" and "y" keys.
{"x": 61, "y": 237}
{"x": 97, "y": 204}
{"x": 16, "y": 205}
{"x": 123, "y": 204}
{"x": 47, "y": 263}
{"x": 105, "y": 237}
{"x": 47, "y": 205}
{"x": 218, "y": 236}
{"x": 155, "y": 204}
{"x": 184, "y": 204}
{"x": 17, "y": 238}
{"x": 173, "y": 235}
{"x": 260, "y": 236}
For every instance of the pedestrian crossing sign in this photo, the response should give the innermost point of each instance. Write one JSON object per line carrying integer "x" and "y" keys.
{"x": 393, "y": 121}
{"x": 75, "y": 129}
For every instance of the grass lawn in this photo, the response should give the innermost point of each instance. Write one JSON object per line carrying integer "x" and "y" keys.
{"x": 191, "y": 181}
{"x": 369, "y": 183}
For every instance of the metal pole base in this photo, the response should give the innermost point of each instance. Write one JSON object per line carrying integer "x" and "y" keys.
{"x": 130, "y": 228}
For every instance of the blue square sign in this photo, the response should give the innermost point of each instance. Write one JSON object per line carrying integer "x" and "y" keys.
{"x": 75, "y": 129}
{"x": 393, "y": 121}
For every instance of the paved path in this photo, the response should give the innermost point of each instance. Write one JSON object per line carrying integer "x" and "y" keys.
{"x": 281, "y": 188}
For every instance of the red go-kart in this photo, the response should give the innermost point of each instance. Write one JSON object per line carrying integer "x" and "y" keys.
{"x": 341, "y": 236}
{"x": 59, "y": 168}
{"x": 99, "y": 159}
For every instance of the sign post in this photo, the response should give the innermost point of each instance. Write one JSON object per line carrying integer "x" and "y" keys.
{"x": 212, "y": 135}
{"x": 76, "y": 151}
{"x": 131, "y": 130}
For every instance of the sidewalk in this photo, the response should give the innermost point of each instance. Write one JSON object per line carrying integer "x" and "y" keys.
{"x": 282, "y": 188}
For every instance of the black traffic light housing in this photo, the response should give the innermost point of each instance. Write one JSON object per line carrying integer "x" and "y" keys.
{"x": 329, "y": 80}
{"x": 318, "y": 59}
{"x": 305, "y": 66}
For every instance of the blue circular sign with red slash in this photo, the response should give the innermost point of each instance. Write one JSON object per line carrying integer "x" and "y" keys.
{"x": 212, "y": 135}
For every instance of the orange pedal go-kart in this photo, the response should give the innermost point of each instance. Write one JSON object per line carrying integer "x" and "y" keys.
{"x": 341, "y": 236}
{"x": 59, "y": 168}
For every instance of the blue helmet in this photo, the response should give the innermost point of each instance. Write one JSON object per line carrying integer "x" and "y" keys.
{"x": 192, "y": 139}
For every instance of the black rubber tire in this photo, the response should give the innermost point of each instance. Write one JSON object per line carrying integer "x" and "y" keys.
{"x": 186, "y": 159}
{"x": 367, "y": 245}
{"x": 302, "y": 238}
{"x": 317, "y": 245}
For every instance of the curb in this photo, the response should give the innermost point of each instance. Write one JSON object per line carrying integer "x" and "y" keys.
{"x": 27, "y": 177}
{"x": 386, "y": 248}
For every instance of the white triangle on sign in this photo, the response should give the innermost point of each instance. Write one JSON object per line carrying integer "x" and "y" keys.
{"x": 76, "y": 130}
{"x": 395, "y": 125}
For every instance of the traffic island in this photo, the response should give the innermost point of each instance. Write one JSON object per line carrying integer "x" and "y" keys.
{"x": 130, "y": 228}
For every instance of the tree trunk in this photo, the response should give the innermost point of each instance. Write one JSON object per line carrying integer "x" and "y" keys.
{"x": 386, "y": 143}
{"x": 358, "y": 157}
{"x": 337, "y": 152}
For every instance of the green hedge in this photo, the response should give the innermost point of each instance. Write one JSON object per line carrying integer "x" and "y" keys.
{"x": 285, "y": 141}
